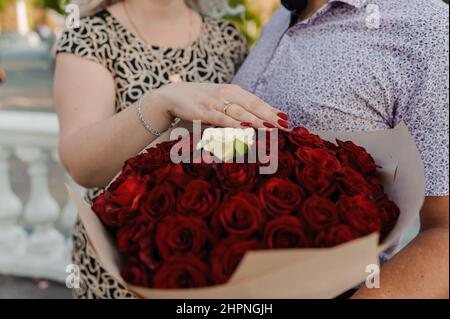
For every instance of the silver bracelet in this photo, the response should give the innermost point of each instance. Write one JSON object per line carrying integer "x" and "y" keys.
{"x": 145, "y": 123}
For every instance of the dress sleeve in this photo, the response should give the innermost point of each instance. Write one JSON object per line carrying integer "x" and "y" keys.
{"x": 81, "y": 41}
{"x": 423, "y": 100}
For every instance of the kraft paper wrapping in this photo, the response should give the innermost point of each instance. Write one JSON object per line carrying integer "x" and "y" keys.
{"x": 299, "y": 273}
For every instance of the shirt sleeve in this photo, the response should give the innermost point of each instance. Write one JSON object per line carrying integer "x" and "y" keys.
{"x": 81, "y": 41}
{"x": 423, "y": 98}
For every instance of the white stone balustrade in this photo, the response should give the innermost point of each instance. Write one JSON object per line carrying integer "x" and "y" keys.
{"x": 34, "y": 231}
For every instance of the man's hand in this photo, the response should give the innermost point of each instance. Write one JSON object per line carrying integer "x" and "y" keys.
{"x": 420, "y": 270}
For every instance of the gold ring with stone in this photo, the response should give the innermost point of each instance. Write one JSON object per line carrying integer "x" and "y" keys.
{"x": 226, "y": 105}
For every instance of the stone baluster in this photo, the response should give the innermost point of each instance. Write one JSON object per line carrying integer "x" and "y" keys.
{"x": 46, "y": 243}
{"x": 13, "y": 238}
{"x": 69, "y": 212}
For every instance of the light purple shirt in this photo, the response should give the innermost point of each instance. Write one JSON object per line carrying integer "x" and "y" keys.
{"x": 362, "y": 65}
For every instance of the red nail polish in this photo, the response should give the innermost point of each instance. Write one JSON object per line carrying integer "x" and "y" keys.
{"x": 246, "y": 124}
{"x": 283, "y": 116}
{"x": 269, "y": 125}
{"x": 283, "y": 123}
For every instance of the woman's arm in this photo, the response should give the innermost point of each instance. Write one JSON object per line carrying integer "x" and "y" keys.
{"x": 95, "y": 141}
{"x": 421, "y": 270}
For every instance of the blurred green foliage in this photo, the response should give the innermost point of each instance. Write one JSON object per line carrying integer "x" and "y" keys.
{"x": 5, "y": 3}
{"x": 56, "y": 5}
{"x": 250, "y": 21}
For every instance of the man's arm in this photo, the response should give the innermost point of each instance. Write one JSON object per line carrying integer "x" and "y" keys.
{"x": 420, "y": 270}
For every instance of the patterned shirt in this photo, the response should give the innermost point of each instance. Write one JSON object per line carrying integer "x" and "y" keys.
{"x": 362, "y": 65}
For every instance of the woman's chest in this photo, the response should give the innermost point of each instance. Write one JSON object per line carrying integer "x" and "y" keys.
{"x": 136, "y": 71}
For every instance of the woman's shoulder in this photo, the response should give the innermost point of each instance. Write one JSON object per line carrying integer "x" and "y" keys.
{"x": 226, "y": 37}
{"x": 93, "y": 23}
{"x": 88, "y": 36}
{"x": 218, "y": 26}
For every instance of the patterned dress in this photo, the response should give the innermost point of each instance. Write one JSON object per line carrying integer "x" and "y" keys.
{"x": 138, "y": 68}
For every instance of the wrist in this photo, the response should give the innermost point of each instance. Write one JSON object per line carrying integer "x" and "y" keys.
{"x": 154, "y": 103}
{"x": 155, "y": 112}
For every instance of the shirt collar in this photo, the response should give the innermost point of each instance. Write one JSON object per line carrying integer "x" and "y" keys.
{"x": 355, "y": 3}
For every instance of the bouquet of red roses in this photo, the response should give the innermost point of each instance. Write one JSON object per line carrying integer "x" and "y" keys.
{"x": 189, "y": 225}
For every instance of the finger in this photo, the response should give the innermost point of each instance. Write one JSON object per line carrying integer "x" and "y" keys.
{"x": 270, "y": 116}
{"x": 244, "y": 117}
{"x": 220, "y": 119}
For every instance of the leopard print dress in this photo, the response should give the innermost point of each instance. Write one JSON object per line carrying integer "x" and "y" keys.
{"x": 138, "y": 68}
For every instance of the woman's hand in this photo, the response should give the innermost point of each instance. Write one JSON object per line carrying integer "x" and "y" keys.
{"x": 223, "y": 105}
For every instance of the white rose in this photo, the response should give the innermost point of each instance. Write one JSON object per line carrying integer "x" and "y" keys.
{"x": 226, "y": 143}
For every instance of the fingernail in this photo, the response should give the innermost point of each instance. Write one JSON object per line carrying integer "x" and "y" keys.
{"x": 283, "y": 116}
{"x": 269, "y": 125}
{"x": 283, "y": 123}
{"x": 246, "y": 124}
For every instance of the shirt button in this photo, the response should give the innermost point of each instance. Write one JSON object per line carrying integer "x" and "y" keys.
{"x": 291, "y": 33}
{"x": 263, "y": 81}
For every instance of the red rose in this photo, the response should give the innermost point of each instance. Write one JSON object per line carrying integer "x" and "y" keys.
{"x": 240, "y": 214}
{"x": 200, "y": 198}
{"x": 167, "y": 146}
{"x": 286, "y": 165}
{"x": 172, "y": 174}
{"x": 135, "y": 273}
{"x": 285, "y": 232}
{"x": 330, "y": 147}
{"x": 99, "y": 206}
{"x": 128, "y": 193}
{"x": 352, "y": 183}
{"x": 388, "y": 212}
{"x": 360, "y": 213}
{"x": 280, "y": 196}
{"x": 300, "y": 136}
{"x": 181, "y": 235}
{"x": 316, "y": 180}
{"x": 237, "y": 176}
{"x": 181, "y": 272}
{"x": 115, "y": 207}
{"x": 334, "y": 236}
{"x": 356, "y": 157}
{"x": 319, "y": 158}
{"x": 319, "y": 213}
{"x": 376, "y": 182}
{"x": 160, "y": 202}
{"x": 130, "y": 234}
{"x": 133, "y": 166}
{"x": 227, "y": 255}
{"x": 156, "y": 157}
{"x": 148, "y": 253}
{"x": 199, "y": 170}
{"x": 282, "y": 141}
